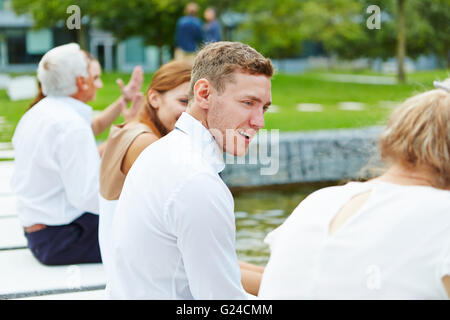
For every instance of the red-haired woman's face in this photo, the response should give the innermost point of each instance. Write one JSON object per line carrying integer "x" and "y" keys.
{"x": 172, "y": 104}
{"x": 94, "y": 81}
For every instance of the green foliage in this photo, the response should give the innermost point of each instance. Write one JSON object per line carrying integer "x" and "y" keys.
{"x": 48, "y": 13}
{"x": 436, "y": 13}
{"x": 279, "y": 27}
{"x": 273, "y": 27}
{"x": 382, "y": 43}
{"x": 152, "y": 19}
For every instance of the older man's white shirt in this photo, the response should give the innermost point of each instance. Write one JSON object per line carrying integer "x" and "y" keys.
{"x": 56, "y": 174}
{"x": 174, "y": 226}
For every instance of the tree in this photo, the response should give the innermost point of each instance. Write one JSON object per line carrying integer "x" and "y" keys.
{"x": 49, "y": 13}
{"x": 401, "y": 40}
{"x": 272, "y": 27}
{"x": 153, "y": 20}
{"x": 437, "y": 15}
{"x": 279, "y": 27}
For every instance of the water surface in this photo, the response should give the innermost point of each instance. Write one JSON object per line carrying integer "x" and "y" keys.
{"x": 259, "y": 212}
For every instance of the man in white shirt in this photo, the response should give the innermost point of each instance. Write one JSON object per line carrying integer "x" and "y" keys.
{"x": 174, "y": 226}
{"x": 57, "y": 159}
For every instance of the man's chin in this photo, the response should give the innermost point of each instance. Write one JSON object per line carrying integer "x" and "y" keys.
{"x": 239, "y": 153}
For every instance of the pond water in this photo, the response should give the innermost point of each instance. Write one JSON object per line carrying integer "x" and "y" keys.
{"x": 259, "y": 212}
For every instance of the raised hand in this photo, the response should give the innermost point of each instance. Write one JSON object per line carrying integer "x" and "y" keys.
{"x": 134, "y": 85}
{"x": 130, "y": 113}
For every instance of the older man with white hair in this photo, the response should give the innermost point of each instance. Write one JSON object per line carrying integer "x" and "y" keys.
{"x": 57, "y": 160}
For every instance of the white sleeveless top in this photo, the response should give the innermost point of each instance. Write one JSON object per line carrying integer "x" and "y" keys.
{"x": 397, "y": 246}
{"x": 111, "y": 182}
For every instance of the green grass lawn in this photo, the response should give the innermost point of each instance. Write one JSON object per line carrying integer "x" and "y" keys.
{"x": 287, "y": 92}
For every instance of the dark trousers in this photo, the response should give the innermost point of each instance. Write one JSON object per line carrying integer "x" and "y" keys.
{"x": 74, "y": 243}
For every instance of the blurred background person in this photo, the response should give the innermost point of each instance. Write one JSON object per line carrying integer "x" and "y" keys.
{"x": 167, "y": 98}
{"x": 188, "y": 34}
{"x": 387, "y": 238}
{"x": 212, "y": 28}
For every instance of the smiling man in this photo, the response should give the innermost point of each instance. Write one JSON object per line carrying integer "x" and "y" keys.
{"x": 174, "y": 228}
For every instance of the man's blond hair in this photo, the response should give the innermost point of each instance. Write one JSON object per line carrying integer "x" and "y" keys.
{"x": 418, "y": 135}
{"x": 217, "y": 61}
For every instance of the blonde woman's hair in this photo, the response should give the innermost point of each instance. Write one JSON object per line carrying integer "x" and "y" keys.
{"x": 418, "y": 135}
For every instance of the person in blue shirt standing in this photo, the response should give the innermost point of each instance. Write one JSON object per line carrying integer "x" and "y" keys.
{"x": 188, "y": 34}
{"x": 212, "y": 28}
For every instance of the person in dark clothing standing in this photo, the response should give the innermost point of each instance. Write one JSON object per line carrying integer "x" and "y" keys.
{"x": 188, "y": 34}
{"x": 212, "y": 28}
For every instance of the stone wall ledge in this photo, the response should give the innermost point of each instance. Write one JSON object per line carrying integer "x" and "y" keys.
{"x": 300, "y": 157}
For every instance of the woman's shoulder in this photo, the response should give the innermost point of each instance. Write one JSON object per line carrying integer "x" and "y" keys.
{"x": 128, "y": 128}
{"x": 338, "y": 191}
{"x": 142, "y": 140}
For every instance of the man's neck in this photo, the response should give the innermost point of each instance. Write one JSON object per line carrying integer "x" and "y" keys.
{"x": 197, "y": 114}
{"x": 79, "y": 97}
{"x": 399, "y": 175}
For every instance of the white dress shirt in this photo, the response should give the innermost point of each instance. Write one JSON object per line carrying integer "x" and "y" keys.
{"x": 397, "y": 246}
{"x": 174, "y": 225}
{"x": 56, "y": 163}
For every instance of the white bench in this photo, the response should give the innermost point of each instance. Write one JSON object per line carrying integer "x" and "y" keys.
{"x": 8, "y": 206}
{"x": 21, "y": 276}
{"x": 6, "y": 170}
{"x": 11, "y": 234}
{"x": 80, "y": 295}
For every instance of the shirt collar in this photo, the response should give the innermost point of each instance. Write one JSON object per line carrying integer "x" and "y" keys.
{"x": 81, "y": 108}
{"x": 203, "y": 140}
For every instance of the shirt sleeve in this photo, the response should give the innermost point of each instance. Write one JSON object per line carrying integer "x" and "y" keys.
{"x": 79, "y": 163}
{"x": 202, "y": 218}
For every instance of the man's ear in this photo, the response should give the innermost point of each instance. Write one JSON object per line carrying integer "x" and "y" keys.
{"x": 81, "y": 84}
{"x": 202, "y": 91}
{"x": 154, "y": 97}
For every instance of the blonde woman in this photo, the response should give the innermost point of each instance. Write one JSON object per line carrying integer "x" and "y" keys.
{"x": 387, "y": 238}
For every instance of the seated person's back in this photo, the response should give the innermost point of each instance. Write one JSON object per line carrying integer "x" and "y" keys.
{"x": 57, "y": 160}
{"x": 388, "y": 238}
